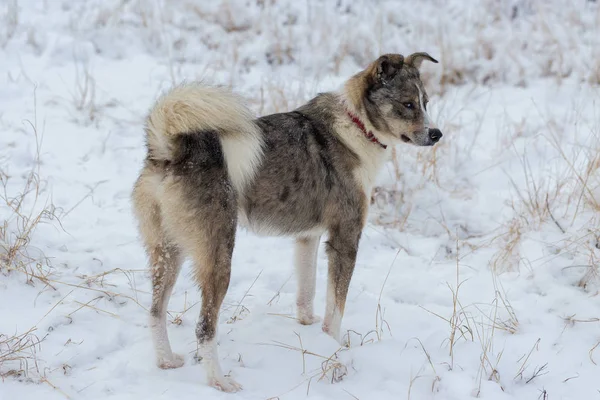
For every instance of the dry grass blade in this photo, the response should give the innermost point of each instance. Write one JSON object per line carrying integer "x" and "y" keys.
{"x": 591, "y": 353}
{"x": 379, "y": 317}
{"x": 524, "y": 364}
{"x": 552, "y": 216}
{"x": 178, "y": 318}
{"x": 278, "y": 293}
{"x": 240, "y": 306}
{"x": 538, "y": 372}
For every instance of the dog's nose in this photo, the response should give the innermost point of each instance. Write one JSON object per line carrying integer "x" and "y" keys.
{"x": 435, "y": 135}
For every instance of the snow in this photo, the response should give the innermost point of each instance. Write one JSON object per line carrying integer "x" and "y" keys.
{"x": 465, "y": 285}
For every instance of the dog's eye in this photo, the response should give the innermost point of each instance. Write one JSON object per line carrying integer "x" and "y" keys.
{"x": 410, "y": 105}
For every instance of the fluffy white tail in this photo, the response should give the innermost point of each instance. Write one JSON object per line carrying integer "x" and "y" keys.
{"x": 193, "y": 108}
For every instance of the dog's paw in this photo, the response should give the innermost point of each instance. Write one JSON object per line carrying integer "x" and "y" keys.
{"x": 176, "y": 361}
{"x": 334, "y": 333}
{"x": 225, "y": 384}
{"x": 308, "y": 319}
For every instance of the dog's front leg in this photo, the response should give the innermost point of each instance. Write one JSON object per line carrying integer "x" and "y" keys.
{"x": 342, "y": 247}
{"x": 306, "y": 275}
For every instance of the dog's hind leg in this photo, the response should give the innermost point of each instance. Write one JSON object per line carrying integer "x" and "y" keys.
{"x": 200, "y": 213}
{"x": 213, "y": 269}
{"x": 306, "y": 274}
{"x": 342, "y": 248}
{"x": 211, "y": 247}
{"x": 205, "y": 228}
{"x": 165, "y": 264}
{"x": 206, "y": 231}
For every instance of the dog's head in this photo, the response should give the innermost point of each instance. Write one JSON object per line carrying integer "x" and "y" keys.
{"x": 394, "y": 99}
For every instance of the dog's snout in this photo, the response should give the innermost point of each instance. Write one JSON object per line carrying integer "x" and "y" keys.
{"x": 435, "y": 135}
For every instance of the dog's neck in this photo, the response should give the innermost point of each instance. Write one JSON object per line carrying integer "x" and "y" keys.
{"x": 371, "y": 154}
{"x": 370, "y": 136}
{"x": 356, "y": 123}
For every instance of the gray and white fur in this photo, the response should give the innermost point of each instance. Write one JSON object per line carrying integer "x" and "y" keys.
{"x": 305, "y": 173}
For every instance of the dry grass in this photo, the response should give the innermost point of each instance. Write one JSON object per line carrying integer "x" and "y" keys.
{"x": 240, "y": 310}
{"x": 500, "y": 317}
{"x": 380, "y": 321}
{"x": 23, "y": 216}
{"x": 507, "y": 258}
{"x": 331, "y": 369}
{"x": 276, "y": 96}
{"x": 562, "y": 197}
{"x": 436, "y": 380}
{"x": 18, "y": 228}
{"x": 555, "y": 37}
{"x": 552, "y": 46}
{"x": 25, "y": 208}
{"x": 83, "y": 95}
{"x": 460, "y": 320}
{"x": 580, "y": 195}
{"x": 534, "y": 201}
{"x": 18, "y": 353}
{"x": 479, "y": 323}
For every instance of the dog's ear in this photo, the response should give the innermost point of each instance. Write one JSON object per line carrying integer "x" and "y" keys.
{"x": 416, "y": 59}
{"x": 386, "y": 67}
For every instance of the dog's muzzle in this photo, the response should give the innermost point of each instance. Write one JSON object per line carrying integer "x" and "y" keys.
{"x": 435, "y": 135}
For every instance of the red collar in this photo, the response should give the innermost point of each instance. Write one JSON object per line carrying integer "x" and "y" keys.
{"x": 369, "y": 135}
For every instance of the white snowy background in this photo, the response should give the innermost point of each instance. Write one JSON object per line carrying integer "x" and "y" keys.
{"x": 478, "y": 273}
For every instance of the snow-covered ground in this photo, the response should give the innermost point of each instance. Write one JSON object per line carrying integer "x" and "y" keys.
{"x": 477, "y": 274}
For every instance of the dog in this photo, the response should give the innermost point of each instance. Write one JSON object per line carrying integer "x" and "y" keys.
{"x": 212, "y": 165}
